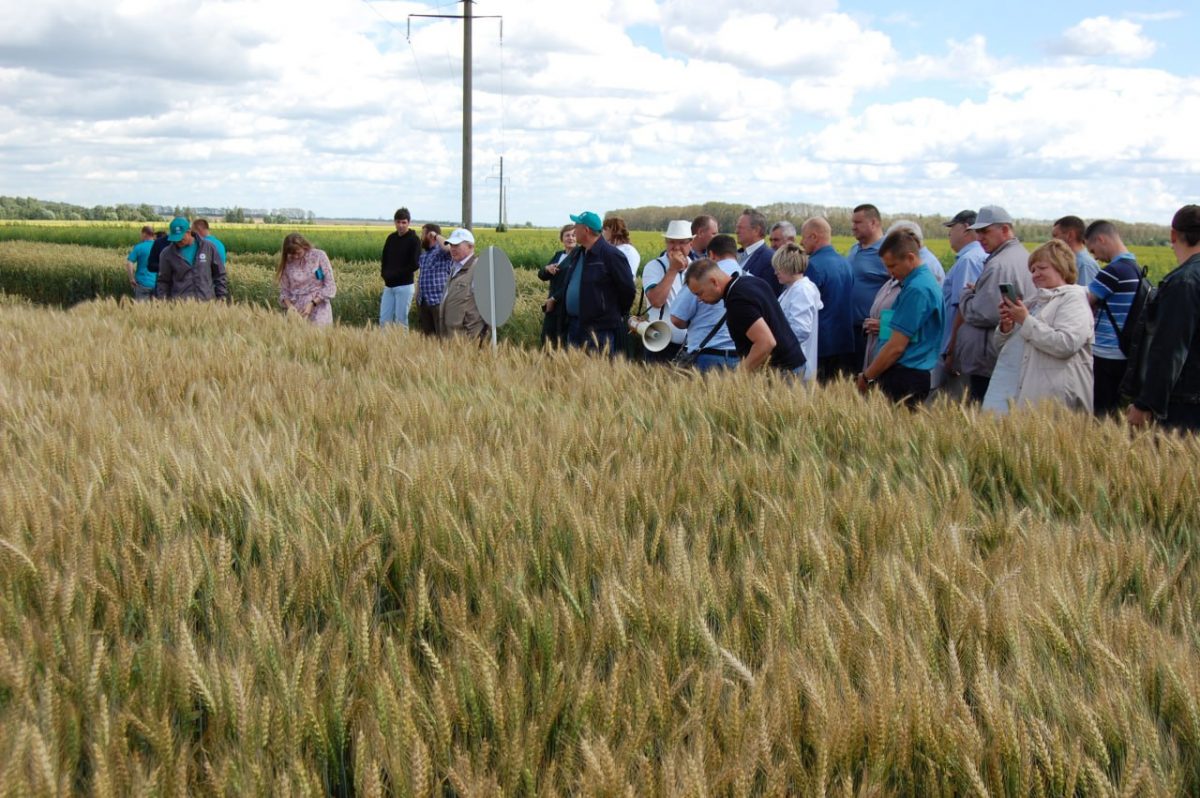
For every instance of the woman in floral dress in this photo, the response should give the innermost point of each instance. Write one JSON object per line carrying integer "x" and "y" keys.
{"x": 305, "y": 280}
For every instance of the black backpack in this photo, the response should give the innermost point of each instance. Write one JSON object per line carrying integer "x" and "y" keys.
{"x": 1132, "y": 337}
{"x": 1125, "y": 334}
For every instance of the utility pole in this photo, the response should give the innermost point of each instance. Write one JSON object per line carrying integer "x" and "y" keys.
{"x": 466, "y": 123}
{"x": 467, "y": 17}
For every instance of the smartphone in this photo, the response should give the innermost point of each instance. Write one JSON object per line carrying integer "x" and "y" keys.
{"x": 1009, "y": 292}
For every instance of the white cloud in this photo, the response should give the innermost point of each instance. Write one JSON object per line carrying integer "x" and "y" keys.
{"x": 274, "y": 103}
{"x": 964, "y": 61}
{"x": 1104, "y": 37}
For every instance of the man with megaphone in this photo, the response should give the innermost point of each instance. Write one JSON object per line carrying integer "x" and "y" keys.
{"x": 662, "y": 281}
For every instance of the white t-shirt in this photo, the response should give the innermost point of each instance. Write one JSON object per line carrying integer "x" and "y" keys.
{"x": 801, "y": 302}
{"x": 652, "y": 275}
{"x": 634, "y": 257}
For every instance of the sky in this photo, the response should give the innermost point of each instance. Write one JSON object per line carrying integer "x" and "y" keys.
{"x": 334, "y": 106}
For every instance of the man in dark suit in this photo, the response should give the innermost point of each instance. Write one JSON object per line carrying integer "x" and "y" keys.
{"x": 755, "y": 254}
{"x": 597, "y": 290}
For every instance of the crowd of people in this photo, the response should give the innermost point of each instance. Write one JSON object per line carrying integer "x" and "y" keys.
{"x": 1002, "y": 328}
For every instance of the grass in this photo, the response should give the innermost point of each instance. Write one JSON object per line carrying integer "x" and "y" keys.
{"x": 244, "y": 556}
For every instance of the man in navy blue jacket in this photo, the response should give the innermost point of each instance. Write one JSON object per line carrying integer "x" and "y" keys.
{"x": 598, "y": 290}
{"x": 756, "y": 254}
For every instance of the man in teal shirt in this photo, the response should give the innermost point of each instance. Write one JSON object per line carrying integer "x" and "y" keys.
{"x": 200, "y": 228}
{"x": 904, "y": 365}
{"x": 141, "y": 279}
{"x": 191, "y": 267}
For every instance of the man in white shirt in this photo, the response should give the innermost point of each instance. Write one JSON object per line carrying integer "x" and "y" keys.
{"x": 662, "y": 281}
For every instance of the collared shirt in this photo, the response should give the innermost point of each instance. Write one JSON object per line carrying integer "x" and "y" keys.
{"x": 653, "y": 274}
{"x": 965, "y": 270}
{"x": 435, "y": 273}
{"x": 917, "y": 314}
{"x": 1116, "y": 284}
{"x": 701, "y": 317}
{"x": 1086, "y": 266}
{"x": 140, "y": 255}
{"x": 935, "y": 265}
{"x": 751, "y": 249}
{"x": 869, "y": 277}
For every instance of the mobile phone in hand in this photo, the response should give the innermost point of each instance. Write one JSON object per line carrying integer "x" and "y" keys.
{"x": 1009, "y": 292}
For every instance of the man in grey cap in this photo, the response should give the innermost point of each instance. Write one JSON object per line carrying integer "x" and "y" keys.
{"x": 963, "y": 274}
{"x": 191, "y": 268}
{"x": 979, "y": 305}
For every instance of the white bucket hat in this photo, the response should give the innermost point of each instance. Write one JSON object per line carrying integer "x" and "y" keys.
{"x": 679, "y": 230}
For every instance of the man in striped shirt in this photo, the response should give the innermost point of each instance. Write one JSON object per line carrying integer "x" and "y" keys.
{"x": 1111, "y": 293}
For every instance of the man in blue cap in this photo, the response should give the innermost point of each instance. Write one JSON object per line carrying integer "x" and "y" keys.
{"x": 191, "y": 268}
{"x": 598, "y": 290}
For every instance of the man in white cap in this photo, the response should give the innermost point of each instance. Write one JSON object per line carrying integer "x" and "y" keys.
{"x": 979, "y": 305}
{"x": 662, "y": 281}
{"x": 459, "y": 313}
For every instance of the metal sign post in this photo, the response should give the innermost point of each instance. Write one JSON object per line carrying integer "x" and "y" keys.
{"x": 498, "y": 282}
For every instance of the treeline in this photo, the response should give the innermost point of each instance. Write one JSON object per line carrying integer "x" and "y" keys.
{"x": 29, "y": 208}
{"x": 33, "y": 209}
{"x": 655, "y": 217}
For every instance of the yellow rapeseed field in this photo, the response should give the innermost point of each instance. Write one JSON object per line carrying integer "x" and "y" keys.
{"x": 243, "y": 556}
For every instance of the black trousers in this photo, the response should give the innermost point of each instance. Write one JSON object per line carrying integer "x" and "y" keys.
{"x": 977, "y": 387}
{"x": 902, "y": 384}
{"x": 1106, "y": 386}
{"x": 833, "y": 367}
{"x": 1182, "y": 417}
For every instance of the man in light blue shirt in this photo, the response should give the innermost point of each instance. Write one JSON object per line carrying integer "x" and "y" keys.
{"x": 699, "y": 318}
{"x": 1070, "y": 230}
{"x": 965, "y": 271}
{"x": 141, "y": 279}
{"x": 869, "y": 272}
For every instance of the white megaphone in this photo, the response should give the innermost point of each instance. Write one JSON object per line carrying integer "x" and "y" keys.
{"x": 655, "y": 335}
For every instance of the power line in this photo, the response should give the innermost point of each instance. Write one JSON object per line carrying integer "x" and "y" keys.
{"x": 413, "y": 50}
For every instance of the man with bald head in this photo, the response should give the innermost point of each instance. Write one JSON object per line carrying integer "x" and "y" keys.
{"x": 830, "y": 273}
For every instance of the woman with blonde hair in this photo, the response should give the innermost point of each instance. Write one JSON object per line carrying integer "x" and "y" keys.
{"x": 305, "y": 279}
{"x": 1055, "y": 332}
{"x": 616, "y": 233}
{"x": 800, "y": 300}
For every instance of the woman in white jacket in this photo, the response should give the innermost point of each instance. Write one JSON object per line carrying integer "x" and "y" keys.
{"x": 800, "y": 300}
{"x": 1056, "y": 331}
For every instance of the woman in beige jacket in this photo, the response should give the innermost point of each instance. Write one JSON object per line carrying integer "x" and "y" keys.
{"x": 1056, "y": 331}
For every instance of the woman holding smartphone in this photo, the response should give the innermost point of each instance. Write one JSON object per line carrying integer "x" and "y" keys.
{"x": 1056, "y": 330}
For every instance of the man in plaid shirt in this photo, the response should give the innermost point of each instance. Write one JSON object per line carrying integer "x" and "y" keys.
{"x": 435, "y": 272}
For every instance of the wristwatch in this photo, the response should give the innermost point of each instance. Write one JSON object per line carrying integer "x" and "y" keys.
{"x": 865, "y": 378}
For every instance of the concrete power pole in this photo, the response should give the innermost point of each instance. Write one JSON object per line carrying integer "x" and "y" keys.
{"x": 466, "y": 123}
{"x": 467, "y": 165}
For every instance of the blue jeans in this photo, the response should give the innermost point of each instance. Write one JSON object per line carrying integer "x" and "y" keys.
{"x": 393, "y": 306}
{"x": 709, "y": 362}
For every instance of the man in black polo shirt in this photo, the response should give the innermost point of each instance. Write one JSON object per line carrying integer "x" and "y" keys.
{"x": 752, "y": 315}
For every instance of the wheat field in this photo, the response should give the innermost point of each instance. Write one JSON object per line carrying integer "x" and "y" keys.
{"x": 243, "y": 556}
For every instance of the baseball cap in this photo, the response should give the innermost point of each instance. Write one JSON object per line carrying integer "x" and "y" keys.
{"x": 990, "y": 215}
{"x": 178, "y": 229}
{"x": 589, "y": 220}
{"x": 461, "y": 235}
{"x": 966, "y": 217}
